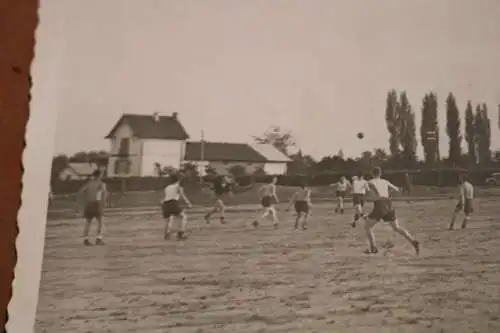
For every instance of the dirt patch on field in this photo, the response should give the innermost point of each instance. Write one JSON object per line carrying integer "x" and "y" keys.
{"x": 234, "y": 279}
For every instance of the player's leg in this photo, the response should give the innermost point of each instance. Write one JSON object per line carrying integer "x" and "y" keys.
{"x": 341, "y": 202}
{"x": 214, "y": 210}
{"x": 182, "y": 217}
{"x": 454, "y": 216}
{"x": 403, "y": 232}
{"x": 100, "y": 225}
{"x": 358, "y": 209}
{"x": 370, "y": 222}
{"x": 222, "y": 209}
{"x": 305, "y": 215}
{"x": 168, "y": 218}
{"x": 274, "y": 215}
{"x": 467, "y": 213}
{"x": 298, "y": 214}
{"x": 264, "y": 212}
{"x": 88, "y": 215}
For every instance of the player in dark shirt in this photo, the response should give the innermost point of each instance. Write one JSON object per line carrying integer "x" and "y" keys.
{"x": 222, "y": 188}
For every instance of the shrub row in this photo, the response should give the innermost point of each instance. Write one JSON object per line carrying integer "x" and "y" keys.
{"x": 419, "y": 177}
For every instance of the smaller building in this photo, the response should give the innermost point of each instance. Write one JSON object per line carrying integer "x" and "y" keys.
{"x": 222, "y": 157}
{"x": 78, "y": 171}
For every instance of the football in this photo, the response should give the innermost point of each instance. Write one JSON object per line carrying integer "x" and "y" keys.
{"x": 361, "y": 135}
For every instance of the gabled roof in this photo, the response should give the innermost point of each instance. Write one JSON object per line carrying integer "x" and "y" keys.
{"x": 271, "y": 153}
{"x": 146, "y": 127}
{"x": 222, "y": 151}
{"x": 232, "y": 152}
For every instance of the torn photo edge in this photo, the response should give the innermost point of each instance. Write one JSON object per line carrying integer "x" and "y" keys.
{"x": 38, "y": 117}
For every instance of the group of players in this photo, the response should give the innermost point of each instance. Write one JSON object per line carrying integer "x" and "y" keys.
{"x": 93, "y": 194}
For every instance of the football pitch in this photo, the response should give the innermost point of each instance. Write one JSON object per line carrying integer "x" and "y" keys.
{"x": 233, "y": 278}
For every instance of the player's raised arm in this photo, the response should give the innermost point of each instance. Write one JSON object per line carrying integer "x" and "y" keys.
{"x": 184, "y": 197}
{"x": 392, "y": 186}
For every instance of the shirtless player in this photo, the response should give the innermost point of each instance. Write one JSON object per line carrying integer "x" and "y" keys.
{"x": 341, "y": 191}
{"x": 171, "y": 207}
{"x": 92, "y": 197}
{"x": 359, "y": 188}
{"x": 302, "y": 202}
{"x": 383, "y": 210}
{"x": 464, "y": 203}
{"x": 221, "y": 189}
{"x": 269, "y": 195}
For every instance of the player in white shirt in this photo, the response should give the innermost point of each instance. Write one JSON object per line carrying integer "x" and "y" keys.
{"x": 383, "y": 210}
{"x": 171, "y": 207}
{"x": 464, "y": 203}
{"x": 269, "y": 195}
{"x": 302, "y": 202}
{"x": 341, "y": 191}
{"x": 359, "y": 188}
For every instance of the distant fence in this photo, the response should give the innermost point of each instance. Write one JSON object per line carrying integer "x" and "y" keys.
{"x": 440, "y": 177}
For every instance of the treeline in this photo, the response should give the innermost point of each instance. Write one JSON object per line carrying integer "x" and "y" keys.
{"x": 400, "y": 120}
{"x": 473, "y": 129}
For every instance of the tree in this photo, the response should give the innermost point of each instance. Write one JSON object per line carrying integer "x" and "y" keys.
{"x": 237, "y": 171}
{"x": 281, "y": 140}
{"x": 407, "y": 131}
{"x": 429, "y": 129}
{"x": 300, "y": 164}
{"x": 59, "y": 163}
{"x": 453, "y": 130}
{"x": 482, "y": 126}
{"x": 470, "y": 133}
{"x": 498, "y": 120}
{"x": 391, "y": 119}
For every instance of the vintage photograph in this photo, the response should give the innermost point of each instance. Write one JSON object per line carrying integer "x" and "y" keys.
{"x": 271, "y": 166}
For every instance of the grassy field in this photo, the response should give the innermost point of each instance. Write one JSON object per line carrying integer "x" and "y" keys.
{"x": 231, "y": 278}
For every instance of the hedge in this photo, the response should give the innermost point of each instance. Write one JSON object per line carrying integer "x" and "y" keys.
{"x": 442, "y": 177}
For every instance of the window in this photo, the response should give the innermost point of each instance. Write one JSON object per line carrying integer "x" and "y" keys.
{"x": 124, "y": 148}
{"x": 122, "y": 166}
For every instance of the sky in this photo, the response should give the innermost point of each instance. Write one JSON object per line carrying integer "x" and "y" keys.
{"x": 319, "y": 68}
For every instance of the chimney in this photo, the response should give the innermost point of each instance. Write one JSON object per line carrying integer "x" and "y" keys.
{"x": 174, "y": 115}
{"x": 156, "y": 117}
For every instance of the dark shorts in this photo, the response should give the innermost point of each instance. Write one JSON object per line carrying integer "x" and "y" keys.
{"x": 358, "y": 199}
{"x": 92, "y": 210}
{"x": 171, "y": 208}
{"x": 341, "y": 194}
{"x": 383, "y": 210}
{"x": 266, "y": 201}
{"x": 466, "y": 206}
{"x": 301, "y": 207}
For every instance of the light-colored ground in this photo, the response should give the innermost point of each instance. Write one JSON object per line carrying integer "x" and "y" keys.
{"x": 234, "y": 279}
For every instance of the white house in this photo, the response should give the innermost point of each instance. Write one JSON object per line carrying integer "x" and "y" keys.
{"x": 139, "y": 142}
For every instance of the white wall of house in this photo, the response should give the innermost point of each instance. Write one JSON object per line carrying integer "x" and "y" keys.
{"x": 125, "y": 132}
{"x": 275, "y": 169}
{"x": 169, "y": 153}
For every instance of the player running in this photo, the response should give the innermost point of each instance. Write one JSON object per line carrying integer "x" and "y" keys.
{"x": 172, "y": 209}
{"x": 269, "y": 195}
{"x": 302, "y": 202}
{"x": 383, "y": 210}
{"x": 464, "y": 203}
{"x": 341, "y": 191}
{"x": 359, "y": 188}
{"x": 92, "y": 197}
{"x": 222, "y": 188}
